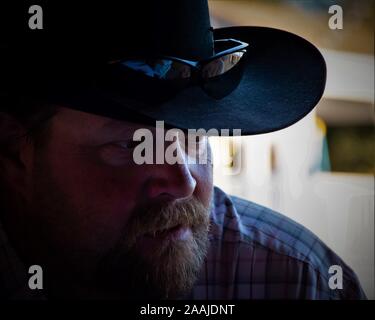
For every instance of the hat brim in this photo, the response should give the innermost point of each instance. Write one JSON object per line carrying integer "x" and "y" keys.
{"x": 283, "y": 81}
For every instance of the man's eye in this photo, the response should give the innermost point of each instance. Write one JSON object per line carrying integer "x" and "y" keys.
{"x": 118, "y": 153}
{"x": 130, "y": 144}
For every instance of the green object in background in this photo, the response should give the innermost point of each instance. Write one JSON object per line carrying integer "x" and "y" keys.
{"x": 352, "y": 149}
{"x": 326, "y": 162}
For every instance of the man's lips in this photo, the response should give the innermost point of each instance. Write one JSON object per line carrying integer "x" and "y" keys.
{"x": 179, "y": 232}
{"x": 150, "y": 243}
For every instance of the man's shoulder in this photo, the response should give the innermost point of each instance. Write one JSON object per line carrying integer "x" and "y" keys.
{"x": 255, "y": 224}
{"x": 281, "y": 245}
{"x": 262, "y": 226}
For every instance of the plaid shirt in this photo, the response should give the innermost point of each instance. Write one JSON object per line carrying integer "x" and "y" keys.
{"x": 255, "y": 253}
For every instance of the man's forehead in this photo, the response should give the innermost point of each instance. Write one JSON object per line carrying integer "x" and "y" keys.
{"x": 95, "y": 123}
{"x": 90, "y": 125}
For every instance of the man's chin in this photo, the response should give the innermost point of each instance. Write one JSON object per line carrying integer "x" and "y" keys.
{"x": 166, "y": 272}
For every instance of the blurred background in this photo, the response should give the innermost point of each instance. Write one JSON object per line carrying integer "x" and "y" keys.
{"x": 320, "y": 171}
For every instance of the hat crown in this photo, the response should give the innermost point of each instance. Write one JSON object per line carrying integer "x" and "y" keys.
{"x": 179, "y": 28}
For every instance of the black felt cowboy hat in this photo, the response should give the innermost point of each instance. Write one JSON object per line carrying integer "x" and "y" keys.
{"x": 162, "y": 60}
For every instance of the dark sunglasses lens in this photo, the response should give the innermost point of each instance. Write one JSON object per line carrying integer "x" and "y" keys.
{"x": 165, "y": 69}
{"x": 221, "y": 76}
{"x": 151, "y": 80}
{"x": 141, "y": 78}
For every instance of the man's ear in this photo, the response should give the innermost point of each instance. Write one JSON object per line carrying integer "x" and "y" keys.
{"x": 15, "y": 150}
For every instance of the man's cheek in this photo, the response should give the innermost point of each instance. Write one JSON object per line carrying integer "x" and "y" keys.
{"x": 96, "y": 205}
{"x": 204, "y": 188}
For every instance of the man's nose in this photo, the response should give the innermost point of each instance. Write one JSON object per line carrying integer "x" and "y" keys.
{"x": 174, "y": 181}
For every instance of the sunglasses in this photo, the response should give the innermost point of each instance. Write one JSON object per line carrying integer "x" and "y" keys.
{"x": 155, "y": 79}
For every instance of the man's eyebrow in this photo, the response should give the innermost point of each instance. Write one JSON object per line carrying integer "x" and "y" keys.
{"x": 114, "y": 127}
{"x": 118, "y": 127}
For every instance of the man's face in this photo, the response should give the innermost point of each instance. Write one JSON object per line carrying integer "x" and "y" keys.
{"x": 96, "y": 217}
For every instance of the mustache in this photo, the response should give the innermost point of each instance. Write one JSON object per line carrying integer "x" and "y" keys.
{"x": 174, "y": 267}
{"x": 162, "y": 216}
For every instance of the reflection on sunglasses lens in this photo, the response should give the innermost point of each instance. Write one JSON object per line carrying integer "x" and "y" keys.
{"x": 221, "y": 65}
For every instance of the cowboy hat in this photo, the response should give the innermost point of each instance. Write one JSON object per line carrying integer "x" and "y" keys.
{"x": 94, "y": 59}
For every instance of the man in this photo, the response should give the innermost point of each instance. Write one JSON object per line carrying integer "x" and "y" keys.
{"x": 74, "y": 201}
